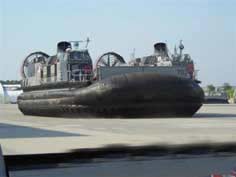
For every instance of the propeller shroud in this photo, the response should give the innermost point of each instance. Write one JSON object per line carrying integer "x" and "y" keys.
{"x": 35, "y": 57}
{"x": 110, "y": 59}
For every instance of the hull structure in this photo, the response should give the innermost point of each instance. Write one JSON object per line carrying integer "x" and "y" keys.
{"x": 135, "y": 95}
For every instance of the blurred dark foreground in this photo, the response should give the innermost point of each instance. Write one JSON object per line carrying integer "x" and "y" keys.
{"x": 125, "y": 161}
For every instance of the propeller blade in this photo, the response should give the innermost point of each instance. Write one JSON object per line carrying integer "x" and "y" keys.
{"x": 104, "y": 63}
{"x": 108, "y": 60}
{"x": 116, "y": 61}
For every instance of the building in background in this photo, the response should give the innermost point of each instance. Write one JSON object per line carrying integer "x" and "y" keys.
{"x": 9, "y": 93}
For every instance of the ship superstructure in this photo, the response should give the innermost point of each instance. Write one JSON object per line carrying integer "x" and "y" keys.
{"x": 69, "y": 64}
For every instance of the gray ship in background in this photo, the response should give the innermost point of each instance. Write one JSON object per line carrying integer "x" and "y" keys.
{"x": 67, "y": 84}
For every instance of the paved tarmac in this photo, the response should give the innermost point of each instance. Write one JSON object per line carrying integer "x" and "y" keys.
{"x": 21, "y": 134}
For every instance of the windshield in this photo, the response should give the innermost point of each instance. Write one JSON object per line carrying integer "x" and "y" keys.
{"x": 79, "y": 55}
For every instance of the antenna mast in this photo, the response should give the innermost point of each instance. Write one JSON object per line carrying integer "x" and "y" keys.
{"x": 87, "y": 42}
{"x": 181, "y": 48}
{"x": 133, "y": 54}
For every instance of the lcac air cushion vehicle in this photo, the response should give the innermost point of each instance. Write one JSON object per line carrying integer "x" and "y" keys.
{"x": 66, "y": 84}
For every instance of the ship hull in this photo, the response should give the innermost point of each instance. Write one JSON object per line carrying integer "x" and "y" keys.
{"x": 136, "y": 95}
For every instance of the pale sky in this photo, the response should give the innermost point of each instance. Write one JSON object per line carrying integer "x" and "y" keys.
{"x": 207, "y": 28}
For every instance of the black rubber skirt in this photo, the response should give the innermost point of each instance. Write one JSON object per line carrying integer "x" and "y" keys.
{"x": 134, "y": 95}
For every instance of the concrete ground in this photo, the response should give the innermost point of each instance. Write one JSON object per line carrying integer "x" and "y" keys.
{"x": 21, "y": 134}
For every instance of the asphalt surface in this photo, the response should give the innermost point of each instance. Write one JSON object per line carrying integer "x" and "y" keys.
{"x": 21, "y": 134}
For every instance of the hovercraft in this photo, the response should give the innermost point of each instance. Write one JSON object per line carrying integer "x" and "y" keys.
{"x": 67, "y": 85}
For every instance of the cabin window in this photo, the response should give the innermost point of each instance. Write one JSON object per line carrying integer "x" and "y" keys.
{"x": 84, "y": 55}
{"x": 41, "y": 74}
{"x": 55, "y": 69}
{"x": 48, "y": 71}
